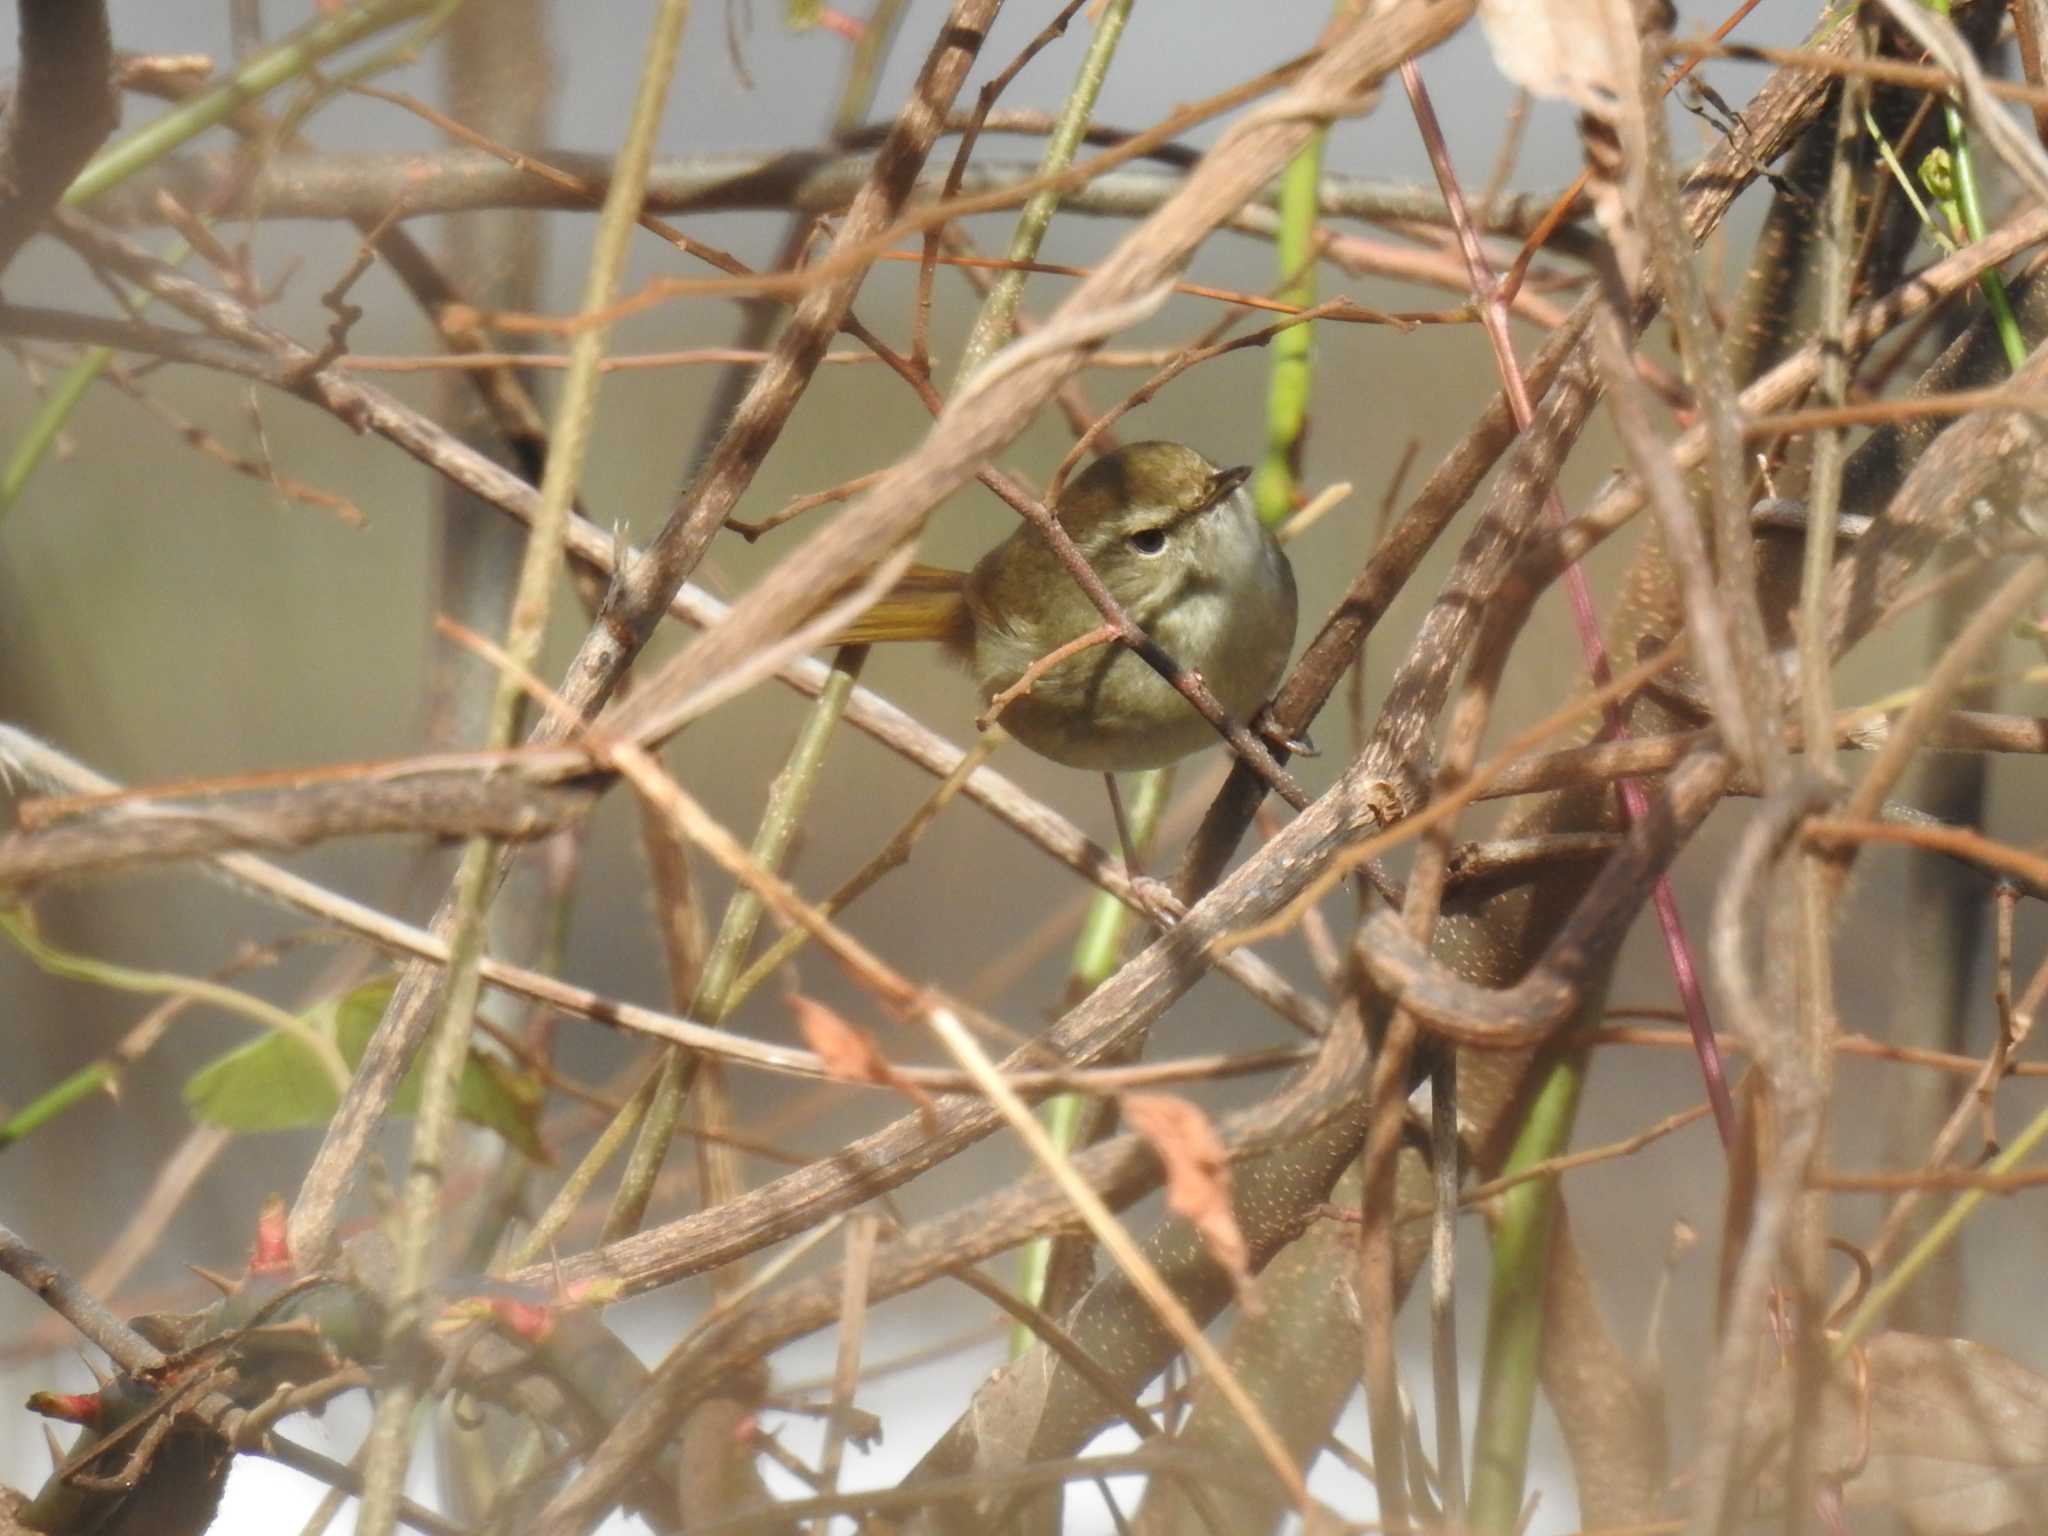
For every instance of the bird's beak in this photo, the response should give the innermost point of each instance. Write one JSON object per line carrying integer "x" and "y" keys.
{"x": 1228, "y": 480}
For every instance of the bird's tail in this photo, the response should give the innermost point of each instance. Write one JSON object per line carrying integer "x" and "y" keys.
{"x": 929, "y": 603}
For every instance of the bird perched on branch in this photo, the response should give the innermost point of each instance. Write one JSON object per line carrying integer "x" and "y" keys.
{"x": 1175, "y": 542}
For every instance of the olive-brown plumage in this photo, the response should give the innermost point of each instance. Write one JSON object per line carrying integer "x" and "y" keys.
{"x": 1176, "y": 542}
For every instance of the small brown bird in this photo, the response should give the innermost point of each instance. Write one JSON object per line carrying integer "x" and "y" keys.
{"x": 1176, "y": 542}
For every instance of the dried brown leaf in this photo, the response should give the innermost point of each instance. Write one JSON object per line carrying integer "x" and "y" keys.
{"x": 1949, "y": 1434}
{"x": 1197, "y": 1178}
{"x": 1589, "y": 53}
{"x": 851, "y": 1054}
{"x": 1562, "y": 49}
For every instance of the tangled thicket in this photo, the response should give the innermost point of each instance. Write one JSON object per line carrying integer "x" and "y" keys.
{"x": 1840, "y": 452}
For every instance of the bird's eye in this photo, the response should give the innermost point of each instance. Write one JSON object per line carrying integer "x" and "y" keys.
{"x": 1148, "y": 541}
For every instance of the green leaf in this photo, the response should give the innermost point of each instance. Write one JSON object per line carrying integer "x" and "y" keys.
{"x": 801, "y": 15}
{"x": 500, "y": 1097}
{"x": 274, "y": 1084}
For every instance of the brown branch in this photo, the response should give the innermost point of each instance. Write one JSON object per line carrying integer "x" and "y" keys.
{"x": 1001, "y": 400}
{"x": 1120, "y": 1170}
{"x": 447, "y": 806}
{"x": 1527, "y": 1012}
{"x": 1964, "y": 731}
{"x": 64, "y": 107}
{"x": 76, "y": 1305}
{"x": 1848, "y": 832}
{"x": 1989, "y": 455}
{"x": 501, "y": 390}
{"x": 640, "y": 595}
{"x": 1923, "y": 77}
{"x": 810, "y": 181}
{"x": 1788, "y": 103}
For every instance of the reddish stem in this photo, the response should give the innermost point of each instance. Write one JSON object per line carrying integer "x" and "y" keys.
{"x": 1487, "y": 294}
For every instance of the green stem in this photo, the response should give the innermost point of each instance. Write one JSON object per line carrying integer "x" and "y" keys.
{"x": 58, "y": 962}
{"x": 788, "y": 798}
{"x": 325, "y": 87}
{"x": 1887, "y": 1290}
{"x": 275, "y": 66}
{"x": 998, "y": 317}
{"x": 893, "y": 855}
{"x": 864, "y": 68}
{"x": 569, "y": 1198}
{"x": 40, "y": 435}
{"x": 1102, "y": 933}
{"x": 1514, "y": 1316}
{"x": 1290, "y": 382}
{"x": 1905, "y": 183}
{"x": 1971, "y": 208}
{"x": 86, "y": 1083}
{"x": 388, "y": 1449}
{"x": 1097, "y": 952}
{"x": 666, "y": 1090}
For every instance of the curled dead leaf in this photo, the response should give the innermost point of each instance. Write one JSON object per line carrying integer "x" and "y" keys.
{"x": 852, "y": 1055}
{"x": 1579, "y": 51}
{"x": 1197, "y": 1178}
{"x": 1949, "y": 1435}
{"x": 1589, "y": 53}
